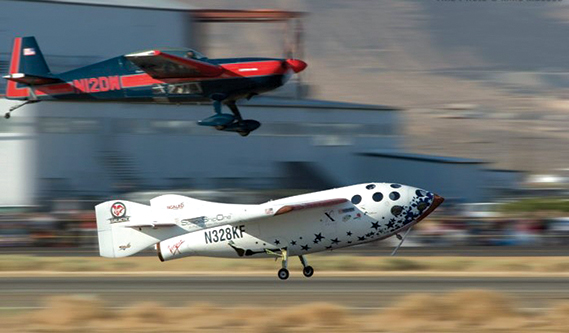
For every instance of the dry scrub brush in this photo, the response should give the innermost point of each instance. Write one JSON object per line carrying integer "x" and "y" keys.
{"x": 461, "y": 311}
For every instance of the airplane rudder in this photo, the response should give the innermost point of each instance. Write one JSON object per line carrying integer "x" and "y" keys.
{"x": 115, "y": 238}
{"x": 32, "y": 59}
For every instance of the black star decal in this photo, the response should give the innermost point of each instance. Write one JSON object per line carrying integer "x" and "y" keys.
{"x": 305, "y": 247}
{"x": 292, "y": 242}
{"x": 349, "y": 233}
{"x": 335, "y": 241}
{"x": 390, "y": 224}
{"x": 349, "y": 242}
{"x": 361, "y": 238}
{"x": 318, "y": 238}
{"x": 329, "y": 247}
{"x": 277, "y": 241}
{"x": 375, "y": 225}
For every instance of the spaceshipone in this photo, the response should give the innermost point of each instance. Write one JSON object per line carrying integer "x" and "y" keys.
{"x": 179, "y": 226}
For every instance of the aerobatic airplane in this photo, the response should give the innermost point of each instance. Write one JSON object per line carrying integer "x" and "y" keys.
{"x": 159, "y": 75}
{"x": 179, "y": 226}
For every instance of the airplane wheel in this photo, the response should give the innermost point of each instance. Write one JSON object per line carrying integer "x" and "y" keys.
{"x": 308, "y": 271}
{"x": 7, "y": 115}
{"x": 243, "y": 133}
{"x": 283, "y": 273}
{"x": 220, "y": 127}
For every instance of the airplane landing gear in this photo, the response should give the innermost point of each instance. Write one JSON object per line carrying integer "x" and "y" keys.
{"x": 307, "y": 270}
{"x": 7, "y": 114}
{"x": 230, "y": 123}
{"x": 283, "y": 272}
{"x": 402, "y": 239}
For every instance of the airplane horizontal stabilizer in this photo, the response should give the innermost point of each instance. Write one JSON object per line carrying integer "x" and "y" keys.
{"x": 32, "y": 79}
{"x": 148, "y": 225}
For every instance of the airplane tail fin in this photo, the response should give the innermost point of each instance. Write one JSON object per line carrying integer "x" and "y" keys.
{"x": 125, "y": 228}
{"x": 27, "y": 67}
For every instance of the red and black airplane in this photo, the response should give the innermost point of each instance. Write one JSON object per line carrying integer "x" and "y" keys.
{"x": 165, "y": 75}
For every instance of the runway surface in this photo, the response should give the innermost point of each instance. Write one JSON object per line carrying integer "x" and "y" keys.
{"x": 356, "y": 293}
{"x": 368, "y": 250}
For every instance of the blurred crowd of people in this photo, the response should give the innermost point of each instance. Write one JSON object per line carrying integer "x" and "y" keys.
{"x": 461, "y": 231}
{"x": 78, "y": 229}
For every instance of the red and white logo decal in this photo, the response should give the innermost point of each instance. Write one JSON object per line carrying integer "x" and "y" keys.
{"x": 175, "y": 248}
{"x": 118, "y": 209}
{"x": 29, "y": 51}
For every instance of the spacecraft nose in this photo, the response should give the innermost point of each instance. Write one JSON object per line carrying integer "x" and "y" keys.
{"x": 436, "y": 201}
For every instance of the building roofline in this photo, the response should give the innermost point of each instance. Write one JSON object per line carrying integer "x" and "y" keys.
{"x": 134, "y": 4}
{"x": 422, "y": 158}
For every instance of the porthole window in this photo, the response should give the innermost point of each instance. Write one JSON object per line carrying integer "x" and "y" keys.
{"x": 370, "y": 186}
{"x": 377, "y": 196}
{"x": 395, "y": 185}
{"x": 356, "y": 199}
{"x": 396, "y": 210}
{"x": 420, "y": 193}
{"x": 394, "y": 196}
{"x": 422, "y": 205}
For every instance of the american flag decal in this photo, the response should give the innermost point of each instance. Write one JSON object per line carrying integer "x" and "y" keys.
{"x": 29, "y": 51}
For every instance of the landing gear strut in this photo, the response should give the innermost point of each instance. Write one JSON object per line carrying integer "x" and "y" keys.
{"x": 402, "y": 239}
{"x": 283, "y": 272}
{"x": 307, "y": 270}
{"x": 7, "y": 114}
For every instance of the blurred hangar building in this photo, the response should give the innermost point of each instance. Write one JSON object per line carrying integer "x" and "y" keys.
{"x": 58, "y": 150}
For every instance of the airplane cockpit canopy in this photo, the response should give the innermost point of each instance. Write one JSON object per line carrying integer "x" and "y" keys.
{"x": 185, "y": 53}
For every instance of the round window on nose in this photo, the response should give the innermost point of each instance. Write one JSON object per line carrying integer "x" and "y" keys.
{"x": 356, "y": 199}
{"x": 377, "y": 196}
{"x": 396, "y": 210}
{"x": 422, "y": 205}
{"x": 395, "y": 185}
{"x": 370, "y": 186}
{"x": 420, "y": 193}
{"x": 394, "y": 195}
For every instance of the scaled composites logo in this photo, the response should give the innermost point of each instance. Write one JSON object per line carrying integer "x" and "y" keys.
{"x": 124, "y": 247}
{"x": 176, "y": 207}
{"x": 118, "y": 212}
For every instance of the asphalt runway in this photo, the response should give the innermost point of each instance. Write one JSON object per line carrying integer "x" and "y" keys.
{"x": 367, "y": 250}
{"x": 356, "y": 293}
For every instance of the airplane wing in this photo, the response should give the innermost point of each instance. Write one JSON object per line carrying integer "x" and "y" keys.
{"x": 187, "y": 211}
{"x": 161, "y": 65}
{"x": 308, "y": 205}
